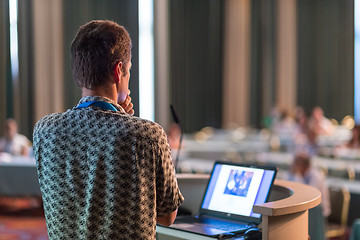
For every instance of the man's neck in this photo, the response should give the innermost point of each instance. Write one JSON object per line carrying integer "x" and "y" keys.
{"x": 107, "y": 91}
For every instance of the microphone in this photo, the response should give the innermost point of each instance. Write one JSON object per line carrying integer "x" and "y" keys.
{"x": 176, "y": 119}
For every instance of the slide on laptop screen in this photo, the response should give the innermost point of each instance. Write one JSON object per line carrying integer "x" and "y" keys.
{"x": 234, "y": 189}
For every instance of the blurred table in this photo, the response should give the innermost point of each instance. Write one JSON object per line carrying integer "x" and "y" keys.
{"x": 18, "y": 176}
{"x": 220, "y": 149}
{"x": 335, "y": 167}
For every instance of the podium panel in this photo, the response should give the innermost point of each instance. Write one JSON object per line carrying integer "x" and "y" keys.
{"x": 286, "y": 227}
{"x": 288, "y": 216}
{"x": 284, "y": 217}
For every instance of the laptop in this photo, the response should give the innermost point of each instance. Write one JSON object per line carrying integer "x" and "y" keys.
{"x": 232, "y": 191}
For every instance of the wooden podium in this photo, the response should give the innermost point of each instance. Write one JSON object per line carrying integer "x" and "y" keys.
{"x": 284, "y": 216}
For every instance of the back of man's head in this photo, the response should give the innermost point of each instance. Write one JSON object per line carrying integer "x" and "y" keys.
{"x": 97, "y": 48}
{"x": 303, "y": 162}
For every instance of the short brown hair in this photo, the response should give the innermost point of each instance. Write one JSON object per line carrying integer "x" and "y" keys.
{"x": 97, "y": 47}
{"x": 303, "y": 160}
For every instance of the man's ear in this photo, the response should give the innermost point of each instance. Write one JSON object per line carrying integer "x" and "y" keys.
{"x": 117, "y": 72}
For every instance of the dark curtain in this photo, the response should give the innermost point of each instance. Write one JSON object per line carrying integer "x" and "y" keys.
{"x": 25, "y": 85}
{"x": 77, "y": 13}
{"x": 196, "y": 36}
{"x": 6, "y": 93}
{"x": 263, "y": 59}
{"x": 17, "y": 91}
{"x": 326, "y": 56}
{"x": 3, "y": 57}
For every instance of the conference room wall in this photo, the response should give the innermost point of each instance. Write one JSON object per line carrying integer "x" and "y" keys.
{"x": 320, "y": 60}
{"x": 196, "y": 37}
{"x": 326, "y": 81}
{"x": 301, "y": 55}
{"x": 300, "y": 59}
{"x": 20, "y": 89}
{"x": 46, "y": 29}
{"x": 325, "y": 48}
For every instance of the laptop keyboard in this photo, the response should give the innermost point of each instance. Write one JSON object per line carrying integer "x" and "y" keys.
{"x": 225, "y": 226}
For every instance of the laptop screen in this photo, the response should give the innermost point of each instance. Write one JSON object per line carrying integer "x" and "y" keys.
{"x": 234, "y": 189}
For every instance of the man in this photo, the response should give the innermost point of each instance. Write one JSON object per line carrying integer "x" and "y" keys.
{"x": 103, "y": 173}
{"x": 302, "y": 171}
{"x": 319, "y": 123}
{"x": 12, "y": 142}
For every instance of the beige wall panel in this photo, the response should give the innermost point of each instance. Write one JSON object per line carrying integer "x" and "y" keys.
{"x": 286, "y": 55}
{"x": 162, "y": 89}
{"x": 48, "y": 57}
{"x": 236, "y": 63}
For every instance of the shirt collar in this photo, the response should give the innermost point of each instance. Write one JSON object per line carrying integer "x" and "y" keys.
{"x": 103, "y": 99}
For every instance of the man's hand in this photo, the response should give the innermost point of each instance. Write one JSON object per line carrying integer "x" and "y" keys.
{"x": 128, "y": 106}
{"x": 168, "y": 219}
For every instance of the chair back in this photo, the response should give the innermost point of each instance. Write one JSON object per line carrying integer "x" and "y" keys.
{"x": 340, "y": 201}
{"x": 337, "y": 221}
{"x": 342, "y": 172}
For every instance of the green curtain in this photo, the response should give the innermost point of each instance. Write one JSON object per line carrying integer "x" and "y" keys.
{"x": 196, "y": 36}
{"x": 3, "y": 50}
{"x": 325, "y": 53}
{"x": 25, "y": 98}
{"x": 326, "y": 56}
{"x": 20, "y": 105}
{"x": 77, "y": 13}
{"x": 5, "y": 66}
{"x": 263, "y": 59}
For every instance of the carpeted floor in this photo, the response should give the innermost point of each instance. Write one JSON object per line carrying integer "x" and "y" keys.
{"x": 22, "y": 219}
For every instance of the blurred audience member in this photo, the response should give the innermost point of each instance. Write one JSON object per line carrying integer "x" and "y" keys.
{"x": 351, "y": 149}
{"x": 286, "y": 124}
{"x": 272, "y": 119}
{"x": 301, "y": 119}
{"x": 307, "y": 143}
{"x": 312, "y": 147}
{"x": 319, "y": 123}
{"x": 354, "y": 142}
{"x": 302, "y": 171}
{"x": 12, "y": 142}
{"x": 305, "y": 139}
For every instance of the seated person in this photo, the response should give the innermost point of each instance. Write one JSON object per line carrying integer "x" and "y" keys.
{"x": 319, "y": 123}
{"x": 302, "y": 171}
{"x": 301, "y": 119}
{"x": 286, "y": 126}
{"x": 306, "y": 143}
{"x": 354, "y": 142}
{"x": 12, "y": 142}
{"x": 352, "y": 148}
